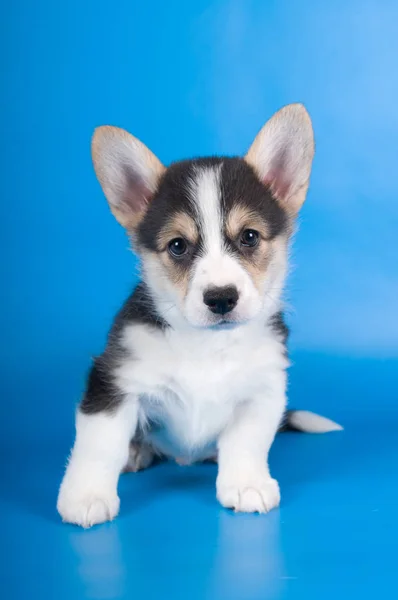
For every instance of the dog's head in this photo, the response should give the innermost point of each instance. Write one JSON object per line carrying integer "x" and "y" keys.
{"x": 212, "y": 233}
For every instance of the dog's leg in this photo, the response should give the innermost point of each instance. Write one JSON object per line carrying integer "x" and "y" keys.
{"x": 88, "y": 493}
{"x": 244, "y": 482}
{"x": 141, "y": 456}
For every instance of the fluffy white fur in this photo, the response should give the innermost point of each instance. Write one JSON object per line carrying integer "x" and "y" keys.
{"x": 88, "y": 493}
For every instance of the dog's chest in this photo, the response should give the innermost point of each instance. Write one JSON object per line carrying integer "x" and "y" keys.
{"x": 189, "y": 385}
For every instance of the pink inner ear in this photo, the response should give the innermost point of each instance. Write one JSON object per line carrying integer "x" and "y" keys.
{"x": 277, "y": 177}
{"x": 136, "y": 194}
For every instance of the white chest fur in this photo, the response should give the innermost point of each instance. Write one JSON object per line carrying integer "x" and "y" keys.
{"x": 189, "y": 383}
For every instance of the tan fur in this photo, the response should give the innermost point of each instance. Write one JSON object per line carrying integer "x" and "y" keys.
{"x": 176, "y": 274}
{"x": 166, "y": 271}
{"x": 257, "y": 262}
{"x": 241, "y": 218}
{"x": 128, "y": 220}
{"x": 180, "y": 225}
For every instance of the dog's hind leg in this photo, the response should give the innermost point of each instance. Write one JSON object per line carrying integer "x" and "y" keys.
{"x": 141, "y": 456}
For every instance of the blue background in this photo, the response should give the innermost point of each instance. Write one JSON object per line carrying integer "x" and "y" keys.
{"x": 194, "y": 78}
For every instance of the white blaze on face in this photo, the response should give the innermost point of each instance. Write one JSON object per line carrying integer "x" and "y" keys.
{"x": 206, "y": 196}
{"x": 216, "y": 267}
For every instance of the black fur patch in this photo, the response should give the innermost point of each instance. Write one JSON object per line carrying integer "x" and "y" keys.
{"x": 277, "y": 322}
{"x": 102, "y": 394}
{"x": 286, "y": 424}
{"x": 138, "y": 308}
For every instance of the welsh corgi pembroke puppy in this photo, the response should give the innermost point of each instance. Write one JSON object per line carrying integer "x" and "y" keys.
{"x": 195, "y": 363}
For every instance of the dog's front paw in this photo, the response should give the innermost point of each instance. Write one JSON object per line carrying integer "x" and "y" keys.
{"x": 87, "y": 507}
{"x": 258, "y": 495}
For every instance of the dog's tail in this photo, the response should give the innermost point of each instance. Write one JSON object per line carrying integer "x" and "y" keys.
{"x": 308, "y": 422}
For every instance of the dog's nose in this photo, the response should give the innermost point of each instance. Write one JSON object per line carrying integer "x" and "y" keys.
{"x": 221, "y": 300}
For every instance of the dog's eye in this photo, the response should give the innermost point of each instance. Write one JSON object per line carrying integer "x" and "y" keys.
{"x": 178, "y": 247}
{"x": 249, "y": 238}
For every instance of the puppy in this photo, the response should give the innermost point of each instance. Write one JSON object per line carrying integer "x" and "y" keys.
{"x": 195, "y": 364}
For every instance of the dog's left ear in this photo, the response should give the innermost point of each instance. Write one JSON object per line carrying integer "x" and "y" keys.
{"x": 282, "y": 155}
{"x": 127, "y": 171}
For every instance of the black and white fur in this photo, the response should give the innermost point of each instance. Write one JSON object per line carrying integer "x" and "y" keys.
{"x": 195, "y": 365}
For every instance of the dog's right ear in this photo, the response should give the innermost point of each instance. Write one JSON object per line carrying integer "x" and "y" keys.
{"x": 127, "y": 171}
{"x": 282, "y": 154}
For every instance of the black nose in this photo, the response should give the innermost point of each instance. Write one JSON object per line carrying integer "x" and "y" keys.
{"x": 221, "y": 300}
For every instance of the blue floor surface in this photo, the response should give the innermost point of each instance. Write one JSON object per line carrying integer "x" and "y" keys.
{"x": 333, "y": 537}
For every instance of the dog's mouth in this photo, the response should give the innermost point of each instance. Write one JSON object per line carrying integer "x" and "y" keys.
{"x": 217, "y": 325}
{"x": 225, "y": 323}
{"x": 214, "y": 322}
